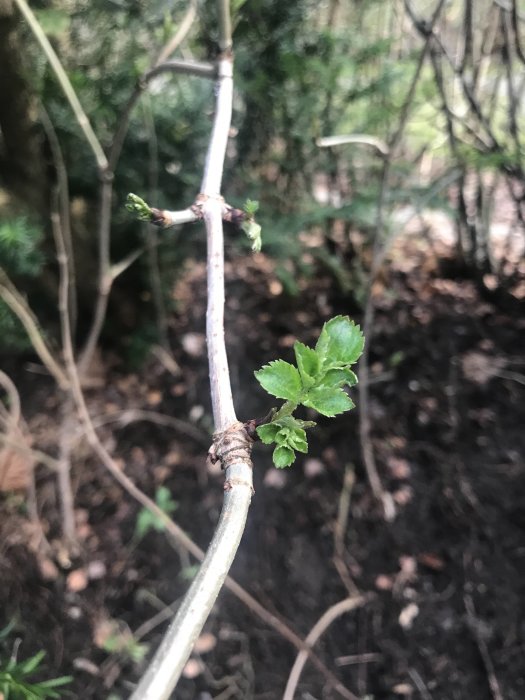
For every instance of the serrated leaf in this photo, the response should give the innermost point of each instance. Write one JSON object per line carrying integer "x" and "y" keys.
{"x": 328, "y": 401}
{"x": 292, "y": 422}
{"x": 281, "y": 379}
{"x": 253, "y": 230}
{"x": 297, "y": 440}
{"x": 307, "y": 362}
{"x": 251, "y": 207}
{"x": 338, "y": 377}
{"x": 282, "y": 436}
{"x": 340, "y": 342}
{"x": 283, "y": 457}
{"x": 267, "y": 432}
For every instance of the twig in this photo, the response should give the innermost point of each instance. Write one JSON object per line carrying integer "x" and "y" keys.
{"x": 65, "y": 84}
{"x": 365, "y": 139}
{"x": 317, "y": 630}
{"x": 483, "y": 649}
{"x": 150, "y": 232}
{"x": 343, "y": 512}
{"x": 352, "y": 659}
{"x": 200, "y": 69}
{"x": 20, "y": 308}
{"x": 65, "y": 218}
{"x": 15, "y": 410}
{"x": 27, "y": 451}
{"x": 130, "y": 415}
{"x": 164, "y": 671}
{"x": 420, "y": 684}
{"x": 365, "y": 427}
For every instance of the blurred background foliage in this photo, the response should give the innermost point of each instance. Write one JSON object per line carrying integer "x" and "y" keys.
{"x": 304, "y": 70}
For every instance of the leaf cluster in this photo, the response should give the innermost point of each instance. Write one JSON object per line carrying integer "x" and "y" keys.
{"x": 317, "y": 381}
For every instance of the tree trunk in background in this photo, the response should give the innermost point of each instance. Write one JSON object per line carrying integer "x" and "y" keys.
{"x": 22, "y": 167}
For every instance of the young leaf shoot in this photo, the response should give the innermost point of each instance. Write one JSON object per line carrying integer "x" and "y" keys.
{"x": 317, "y": 382}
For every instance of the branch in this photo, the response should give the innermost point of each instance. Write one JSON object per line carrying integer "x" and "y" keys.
{"x": 180, "y": 34}
{"x": 201, "y": 69}
{"x": 232, "y": 446}
{"x": 65, "y": 84}
{"x": 20, "y": 308}
{"x": 317, "y": 630}
{"x": 365, "y": 139}
{"x": 365, "y": 427}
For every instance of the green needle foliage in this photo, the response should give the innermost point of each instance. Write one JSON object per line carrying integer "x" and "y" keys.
{"x": 317, "y": 382}
{"x": 15, "y": 683}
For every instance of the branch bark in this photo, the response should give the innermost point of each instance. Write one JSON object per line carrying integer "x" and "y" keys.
{"x": 231, "y": 447}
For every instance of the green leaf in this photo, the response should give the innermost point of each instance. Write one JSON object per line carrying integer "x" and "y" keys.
{"x": 267, "y": 432}
{"x": 283, "y": 457}
{"x": 328, "y": 401}
{"x": 297, "y": 440}
{"x": 340, "y": 343}
{"x": 165, "y": 501}
{"x": 253, "y": 231}
{"x": 307, "y": 362}
{"x": 251, "y": 207}
{"x": 338, "y": 377}
{"x": 281, "y": 379}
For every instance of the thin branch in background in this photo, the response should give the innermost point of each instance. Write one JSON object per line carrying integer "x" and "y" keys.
{"x": 104, "y": 273}
{"x": 365, "y": 428}
{"x": 24, "y": 449}
{"x": 65, "y": 84}
{"x": 467, "y": 58}
{"x": 150, "y": 231}
{"x": 179, "y": 36}
{"x": 419, "y": 683}
{"x": 14, "y": 441}
{"x": 15, "y": 409}
{"x": 65, "y": 218}
{"x": 512, "y": 97}
{"x": 105, "y": 279}
{"x": 18, "y": 305}
{"x": 65, "y": 440}
{"x": 365, "y": 139}
{"x": 344, "y": 606}
{"x": 516, "y": 29}
{"x": 474, "y": 626}
{"x": 132, "y": 415}
{"x": 340, "y": 527}
{"x": 182, "y": 66}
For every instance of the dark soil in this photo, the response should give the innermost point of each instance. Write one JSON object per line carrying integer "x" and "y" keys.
{"x": 446, "y": 617}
